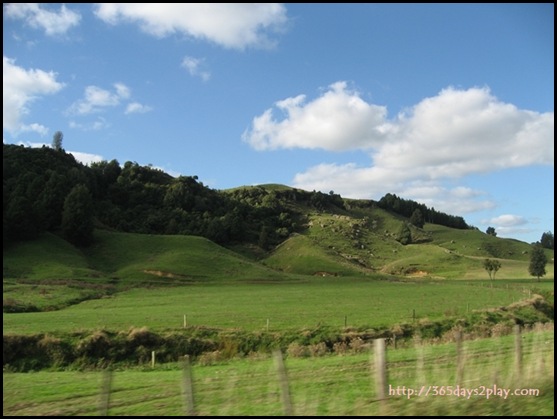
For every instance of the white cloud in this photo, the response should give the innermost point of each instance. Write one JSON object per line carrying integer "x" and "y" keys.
{"x": 96, "y": 99}
{"x": 507, "y": 220}
{"x": 136, "y": 107}
{"x": 34, "y": 127}
{"x": 232, "y": 25}
{"x": 338, "y": 120}
{"x": 20, "y": 88}
{"x": 448, "y": 136}
{"x": 122, "y": 91}
{"x": 53, "y": 23}
{"x": 98, "y": 124}
{"x": 193, "y": 65}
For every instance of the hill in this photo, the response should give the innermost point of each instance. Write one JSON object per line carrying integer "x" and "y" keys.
{"x": 149, "y": 225}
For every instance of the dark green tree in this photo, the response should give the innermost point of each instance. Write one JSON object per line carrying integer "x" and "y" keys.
{"x": 538, "y": 260}
{"x": 404, "y": 235}
{"x": 491, "y": 266}
{"x": 57, "y": 140}
{"x": 491, "y": 231}
{"x": 77, "y": 216}
{"x": 547, "y": 240}
{"x": 417, "y": 218}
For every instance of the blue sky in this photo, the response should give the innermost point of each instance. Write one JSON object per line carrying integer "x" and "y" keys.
{"x": 449, "y": 105}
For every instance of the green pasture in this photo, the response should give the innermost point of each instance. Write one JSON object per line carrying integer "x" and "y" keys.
{"x": 343, "y": 384}
{"x": 305, "y": 303}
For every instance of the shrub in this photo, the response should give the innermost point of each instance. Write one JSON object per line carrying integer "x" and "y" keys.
{"x": 296, "y": 350}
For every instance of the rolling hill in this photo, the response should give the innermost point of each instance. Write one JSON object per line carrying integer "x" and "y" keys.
{"x": 333, "y": 241}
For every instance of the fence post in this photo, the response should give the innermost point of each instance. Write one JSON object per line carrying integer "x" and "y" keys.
{"x": 283, "y": 381}
{"x": 189, "y": 403}
{"x": 105, "y": 392}
{"x": 152, "y": 359}
{"x": 459, "y": 358}
{"x": 380, "y": 368}
{"x": 518, "y": 351}
{"x": 380, "y": 361}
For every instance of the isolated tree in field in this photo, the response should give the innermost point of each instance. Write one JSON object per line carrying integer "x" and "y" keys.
{"x": 417, "y": 218}
{"x": 538, "y": 260}
{"x": 491, "y": 231}
{"x": 77, "y": 216}
{"x": 57, "y": 140}
{"x": 492, "y": 266}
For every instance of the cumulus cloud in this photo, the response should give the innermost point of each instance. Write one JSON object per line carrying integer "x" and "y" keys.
{"x": 21, "y": 87}
{"x": 96, "y": 99}
{"x": 338, "y": 120}
{"x": 136, "y": 107}
{"x": 231, "y": 25}
{"x": 36, "y": 16}
{"x": 194, "y": 67}
{"x": 507, "y": 220}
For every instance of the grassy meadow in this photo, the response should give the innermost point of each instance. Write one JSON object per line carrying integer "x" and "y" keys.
{"x": 289, "y": 305}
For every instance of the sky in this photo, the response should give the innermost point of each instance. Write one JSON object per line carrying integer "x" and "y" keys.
{"x": 450, "y": 105}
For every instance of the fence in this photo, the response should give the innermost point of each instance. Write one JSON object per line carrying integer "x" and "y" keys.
{"x": 390, "y": 381}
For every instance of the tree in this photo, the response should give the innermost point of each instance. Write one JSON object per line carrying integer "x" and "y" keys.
{"x": 538, "y": 259}
{"x": 491, "y": 231}
{"x": 417, "y": 218}
{"x": 77, "y": 216}
{"x": 57, "y": 140}
{"x": 492, "y": 266}
{"x": 547, "y": 240}
{"x": 404, "y": 235}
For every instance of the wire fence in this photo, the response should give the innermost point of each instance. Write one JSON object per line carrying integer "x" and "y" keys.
{"x": 375, "y": 382}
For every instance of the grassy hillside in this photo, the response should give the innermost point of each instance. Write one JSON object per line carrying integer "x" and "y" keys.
{"x": 48, "y": 257}
{"x": 139, "y": 256}
{"x": 364, "y": 240}
{"x": 360, "y": 241}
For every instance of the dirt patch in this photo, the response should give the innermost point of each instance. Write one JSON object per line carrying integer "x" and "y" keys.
{"x": 418, "y": 274}
{"x": 165, "y": 274}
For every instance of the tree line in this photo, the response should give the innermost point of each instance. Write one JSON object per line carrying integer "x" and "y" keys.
{"x": 420, "y": 213}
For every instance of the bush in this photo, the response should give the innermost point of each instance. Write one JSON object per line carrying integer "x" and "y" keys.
{"x": 296, "y": 350}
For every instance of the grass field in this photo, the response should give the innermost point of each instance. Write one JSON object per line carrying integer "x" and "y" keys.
{"x": 329, "y": 385}
{"x": 288, "y": 305}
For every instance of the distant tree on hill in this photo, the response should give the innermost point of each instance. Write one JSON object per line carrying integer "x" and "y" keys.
{"x": 491, "y": 266}
{"x": 491, "y": 231}
{"x": 538, "y": 260}
{"x": 404, "y": 235}
{"x": 547, "y": 240}
{"x": 77, "y": 216}
{"x": 417, "y": 218}
{"x": 57, "y": 140}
